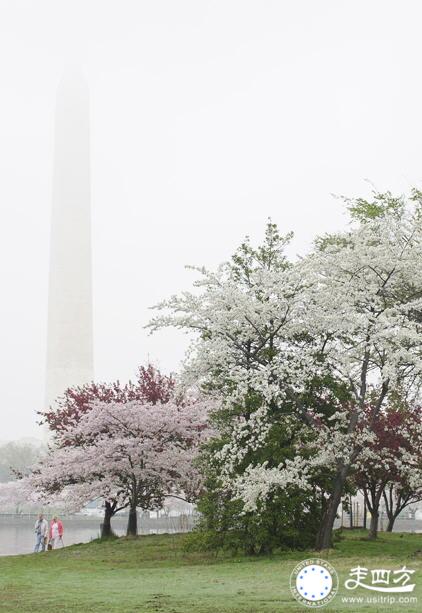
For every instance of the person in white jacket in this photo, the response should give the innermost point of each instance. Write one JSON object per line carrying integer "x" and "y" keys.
{"x": 41, "y": 533}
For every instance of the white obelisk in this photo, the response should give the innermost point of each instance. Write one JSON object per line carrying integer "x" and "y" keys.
{"x": 70, "y": 329}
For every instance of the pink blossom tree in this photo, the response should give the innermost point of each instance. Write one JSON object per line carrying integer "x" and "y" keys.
{"x": 390, "y": 464}
{"x": 150, "y": 386}
{"x": 132, "y": 454}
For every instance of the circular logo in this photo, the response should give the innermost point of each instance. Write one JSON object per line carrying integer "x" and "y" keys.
{"x": 314, "y": 582}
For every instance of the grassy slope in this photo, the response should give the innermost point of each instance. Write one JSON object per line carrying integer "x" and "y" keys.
{"x": 154, "y": 574}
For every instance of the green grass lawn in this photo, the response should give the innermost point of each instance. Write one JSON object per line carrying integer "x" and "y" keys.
{"x": 155, "y": 574}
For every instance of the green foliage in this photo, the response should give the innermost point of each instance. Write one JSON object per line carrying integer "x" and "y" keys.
{"x": 381, "y": 204}
{"x": 289, "y": 520}
{"x": 322, "y": 243}
{"x": 269, "y": 255}
{"x": 281, "y": 525}
{"x": 364, "y": 210}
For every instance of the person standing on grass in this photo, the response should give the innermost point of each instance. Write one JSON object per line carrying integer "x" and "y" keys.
{"x": 41, "y": 531}
{"x": 56, "y": 532}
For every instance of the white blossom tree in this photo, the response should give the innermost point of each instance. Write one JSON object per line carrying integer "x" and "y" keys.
{"x": 366, "y": 303}
{"x": 351, "y": 310}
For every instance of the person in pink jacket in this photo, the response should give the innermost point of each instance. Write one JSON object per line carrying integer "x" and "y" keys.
{"x": 56, "y": 532}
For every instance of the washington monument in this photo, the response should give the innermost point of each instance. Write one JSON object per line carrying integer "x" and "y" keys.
{"x": 70, "y": 335}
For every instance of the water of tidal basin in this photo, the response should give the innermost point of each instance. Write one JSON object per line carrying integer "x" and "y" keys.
{"x": 17, "y": 532}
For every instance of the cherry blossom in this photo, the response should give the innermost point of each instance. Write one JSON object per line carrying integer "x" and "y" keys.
{"x": 130, "y": 454}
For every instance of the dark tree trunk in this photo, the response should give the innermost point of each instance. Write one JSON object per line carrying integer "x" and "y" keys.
{"x": 373, "y": 526}
{"x": 373, "y": 498}
{"x": 106, "y": 530}
{"x": 372, "y": 495}
{"x": 132, "y": 524}
{"x": 393, "y": 506}
{"x": 390, "y": 524}
{"x": 325, "y": 533}
{"x": 324, "y": 536}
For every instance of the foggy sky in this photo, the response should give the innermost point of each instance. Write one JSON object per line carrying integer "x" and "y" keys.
{"x": 206, "y": 118}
